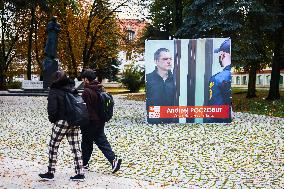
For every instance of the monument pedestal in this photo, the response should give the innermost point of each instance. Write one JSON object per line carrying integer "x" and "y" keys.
{"x": 49, "y": 67}
{"x": 29, "y": 88}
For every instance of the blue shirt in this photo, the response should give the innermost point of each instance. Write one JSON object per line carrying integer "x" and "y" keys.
{"x": 220, "y": 88}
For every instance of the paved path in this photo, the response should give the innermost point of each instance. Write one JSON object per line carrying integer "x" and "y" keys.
{"x": 17, "y": 174}
{"x": 248, "y": 153}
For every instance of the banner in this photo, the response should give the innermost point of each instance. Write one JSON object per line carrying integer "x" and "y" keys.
{"x": 188, "y": 81}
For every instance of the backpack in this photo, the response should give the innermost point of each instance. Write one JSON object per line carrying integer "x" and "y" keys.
{"x": 106, "y": 104}
{"x": 76, "y": 110}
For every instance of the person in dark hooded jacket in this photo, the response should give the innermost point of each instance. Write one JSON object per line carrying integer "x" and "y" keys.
{"x": 60, "y": 85}
{"x": 94, "y": 130}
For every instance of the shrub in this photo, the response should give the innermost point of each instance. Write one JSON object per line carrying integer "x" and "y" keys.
{"x": 132, "y": 78}
{"x": 14, "y": 85}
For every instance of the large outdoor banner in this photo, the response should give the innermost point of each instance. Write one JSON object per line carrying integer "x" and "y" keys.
{"x": 188, "y": 81}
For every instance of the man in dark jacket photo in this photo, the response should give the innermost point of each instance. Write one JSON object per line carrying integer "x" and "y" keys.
{"x": 160, "y": 85}
{"x": 60, "y": 85}
{"x": 94, "y": 130}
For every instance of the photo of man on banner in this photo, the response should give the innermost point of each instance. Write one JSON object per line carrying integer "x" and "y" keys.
{"x": 220, "y": 83}
{"x": 160, "y": 85}
{"x": 188, "y": 80}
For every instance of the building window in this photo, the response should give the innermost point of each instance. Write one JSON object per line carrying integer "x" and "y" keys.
{"x": 238, "y": 82}
{"x": 244, "y": 82}
{"x": 128, "y": 55}
{"x": 130, "y": 33}
{"x": 267, "y": 79}
{"x": 259, "y": 80}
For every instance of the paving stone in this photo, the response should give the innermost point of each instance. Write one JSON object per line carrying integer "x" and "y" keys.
{"x": 249, "y": 152}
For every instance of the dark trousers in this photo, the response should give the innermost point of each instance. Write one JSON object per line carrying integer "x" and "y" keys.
{"x": 94, "y": 133}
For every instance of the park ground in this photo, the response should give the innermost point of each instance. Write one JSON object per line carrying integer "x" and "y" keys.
{"x": 248, "y": 153}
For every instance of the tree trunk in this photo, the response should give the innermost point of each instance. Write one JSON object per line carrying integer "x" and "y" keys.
{"x": 88, "y": 33}
{"x": 275, "y": 73}
{"x": 31, "y": 30}
{"x": 100, "y": 79}
{"x": 277, "y": 62}
{"x": 2, "y": 80}
{"x": 178, "y": 14}
{"x": 251, "y": 93}
{"x": 74, "y": 73}
{"x": 37, "y": 52}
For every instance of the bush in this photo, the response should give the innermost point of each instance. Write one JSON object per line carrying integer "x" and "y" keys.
{"x": 132, "y": 78}
{"x": 14, "y": 85}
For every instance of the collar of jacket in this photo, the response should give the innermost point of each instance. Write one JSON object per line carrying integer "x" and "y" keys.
{"x": 60, "y": 84}
{"x": 170, "y": 75}
{"x": 94, "y": 85}
{"x": 227, "y": 68}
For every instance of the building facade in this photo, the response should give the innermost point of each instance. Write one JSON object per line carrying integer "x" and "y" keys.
{"x": 130, "y": 51}
{"x": 240, "y": 79}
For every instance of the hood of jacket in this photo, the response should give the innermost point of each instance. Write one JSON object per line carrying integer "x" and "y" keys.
{"x": 94, "y": 85}
{"x": 60, "y": 84}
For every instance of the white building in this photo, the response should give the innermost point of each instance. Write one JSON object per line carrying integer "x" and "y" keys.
{"x": 240, "y": 79}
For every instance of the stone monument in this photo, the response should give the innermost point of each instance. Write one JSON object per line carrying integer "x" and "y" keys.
{"x": 50, "y": 63}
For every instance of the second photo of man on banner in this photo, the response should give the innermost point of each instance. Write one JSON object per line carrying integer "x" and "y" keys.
{"x": 188, "y": 81}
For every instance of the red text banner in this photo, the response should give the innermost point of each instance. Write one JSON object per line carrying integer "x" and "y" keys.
{"x": 220, "y": 111}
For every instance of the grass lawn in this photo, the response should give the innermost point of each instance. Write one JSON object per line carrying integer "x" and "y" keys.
{"x": 256, "y": 105}
{"x": 118, "y": 90}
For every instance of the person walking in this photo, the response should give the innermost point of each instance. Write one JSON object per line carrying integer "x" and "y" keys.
{"x": 93, "y": 132}
{"x": 60, "y": 85}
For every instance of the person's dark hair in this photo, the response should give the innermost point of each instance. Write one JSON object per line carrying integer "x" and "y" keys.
{"x": 58, "y": 77}
{"x": 89, "y": 74}
{"x": 158, "y": 52}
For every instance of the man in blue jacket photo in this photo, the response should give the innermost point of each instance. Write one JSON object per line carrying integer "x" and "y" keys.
{"x": 220, "y": 83}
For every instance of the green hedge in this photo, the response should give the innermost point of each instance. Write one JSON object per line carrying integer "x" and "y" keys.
{"x": 14, "y": 85}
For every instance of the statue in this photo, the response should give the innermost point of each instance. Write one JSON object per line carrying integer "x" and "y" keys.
{"x": 50, "y": 63}
{"x": 51, "y": 45}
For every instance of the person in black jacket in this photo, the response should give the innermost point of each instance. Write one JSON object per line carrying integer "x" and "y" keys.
{"x": 60, "y": 85}
{"x": 160, "y": 85}
{"x": 94, "y": 131}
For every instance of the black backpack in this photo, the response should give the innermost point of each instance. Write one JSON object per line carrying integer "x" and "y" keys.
{"x": 76, "y": 110}
{"x": 106, "y": 104}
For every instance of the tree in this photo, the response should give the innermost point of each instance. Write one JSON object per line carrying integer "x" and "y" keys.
{"x": 109, "y": 69}
{"x": 68, "y": 17}
{"x": 166, "y": 18}
{"x": 88, "y": 39}
{"x": 50, "y": 7}
{"x": 278, "y": 58}
{"x": 30, "y": 5}
{"x": 132, "y": 78}
{"x": 240, "y": 21}
{"x": 12, "y": 29}
{"x": 101, "y": 34}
